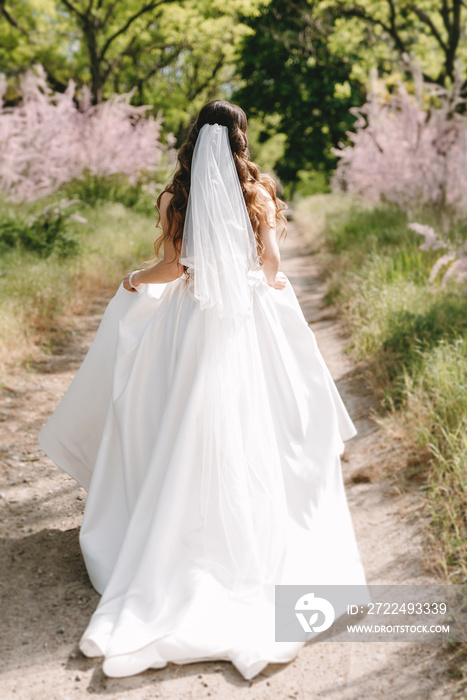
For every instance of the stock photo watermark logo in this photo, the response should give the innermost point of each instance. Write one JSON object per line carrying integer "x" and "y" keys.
{"x": 310, "y": 605}
{"x": 371, "y": 613}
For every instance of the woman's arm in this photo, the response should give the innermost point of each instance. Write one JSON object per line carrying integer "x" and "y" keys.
{"x": 271, "y": 256}
{"x": 167, "y": 269}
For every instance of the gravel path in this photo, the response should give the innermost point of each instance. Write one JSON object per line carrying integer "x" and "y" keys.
{"x": 46, "y": 598}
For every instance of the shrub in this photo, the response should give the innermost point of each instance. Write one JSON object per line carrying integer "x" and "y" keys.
{"x": 409, "y": 149}
{"x": 49, "y": 139}
{"x": 45, "y": 234}
{"x": 92, "y": 189}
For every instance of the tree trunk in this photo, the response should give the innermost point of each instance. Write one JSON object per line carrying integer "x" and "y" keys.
{"x": 95, "y": 62}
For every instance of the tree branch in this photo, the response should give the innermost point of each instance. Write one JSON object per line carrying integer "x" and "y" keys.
{"x": 11, "y": 21}
{"x": 109, "y": 12}
{"x": 194, "y": 93}
{"x": 74, "y": 9}
{"x": 426, "y": 19}
{"x": 162, "y": 63}
{"x": 454, "y": 37}
{"x": 392, "y": 29}
{"x": 147, "y": 8}
{"x": 394, "y": 32}
{"x": 114, "y": 63}
{"x": 445, "y": 15}
{"x": 360, "y": 12}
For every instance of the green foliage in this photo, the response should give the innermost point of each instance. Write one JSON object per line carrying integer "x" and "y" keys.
{"x": 46, "y": 234}
{"x": 297, "y": 67}
{"x": 288, "y": 72}
{"x": 92, "y": 189}
{"x": 10, "y": 232}
{"x": 361, "y": 230}
{"x": 380, "y": 32}
{"x": 310, "y": 182}
{"x": 309, "y": 61}
{"x": 444, "y": 382}
{"x": 33, "y": 32}
{"x": 311, "y": 213}
{"x": 266, "y": 150}
{"x": 188, "y": 56}
{"x": 395, "y": 313}
{"x": 300, "y": 65}
{"x": 410, "y": 333}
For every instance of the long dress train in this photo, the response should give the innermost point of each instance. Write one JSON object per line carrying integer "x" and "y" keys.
{"x": 209, "y": 479}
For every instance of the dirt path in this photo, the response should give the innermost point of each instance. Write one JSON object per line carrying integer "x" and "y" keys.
{"x": 46, "y": 598}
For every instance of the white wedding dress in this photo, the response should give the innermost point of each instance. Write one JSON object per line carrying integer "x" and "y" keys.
{"x": 212, "y": 475}
{"x": 129, "y": 430}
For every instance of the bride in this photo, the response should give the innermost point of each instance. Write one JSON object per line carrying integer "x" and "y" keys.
{"x": 207, "y": 430}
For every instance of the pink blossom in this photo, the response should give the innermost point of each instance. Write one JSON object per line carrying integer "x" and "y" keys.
{"x": 457, "y": 254}
{"x": 48, "y": 140}
{"x": 408, "y": 153}
{"x": 432, "y": 240}
{"x": 458, "y": 271}
{"x": 440, "y": 263}
{"x": 413, "y": 153}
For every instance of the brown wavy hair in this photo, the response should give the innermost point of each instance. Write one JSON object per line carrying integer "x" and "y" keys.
{"x": 234, "y": 118}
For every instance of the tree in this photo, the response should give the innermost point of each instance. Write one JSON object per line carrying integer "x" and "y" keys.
{"x": 191, "y": 61}
{"x": 177, "y": 53}
{"x": 48, "y": 140}
{"x": 410, "y": 150}
{"x": 108, "y": 30}
{"x": 432, "y": 32}
{"x": 32, "y": 33}
{"x": 288, "y": 70}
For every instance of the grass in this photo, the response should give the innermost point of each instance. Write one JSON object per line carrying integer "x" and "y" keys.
{"x": 38, "y": 292}
{"x": 412, "y": 336}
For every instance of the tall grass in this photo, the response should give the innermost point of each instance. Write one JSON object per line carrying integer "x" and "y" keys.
{"x": 413, "y": 338}
{"x": 37, "y": 293}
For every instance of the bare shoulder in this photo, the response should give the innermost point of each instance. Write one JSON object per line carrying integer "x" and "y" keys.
{"x": 262, "y": 193}
{"x": 268, "y": 207}
{"x": 163, "y": 205}
{"x": 165, "y": 200}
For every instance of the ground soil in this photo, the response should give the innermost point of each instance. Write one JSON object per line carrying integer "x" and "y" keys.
{"x": 47, "y": 599}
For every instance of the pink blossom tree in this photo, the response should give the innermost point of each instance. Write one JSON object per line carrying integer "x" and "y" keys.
{"x": 49, "y": 139}
{"x": 411, "y": 150}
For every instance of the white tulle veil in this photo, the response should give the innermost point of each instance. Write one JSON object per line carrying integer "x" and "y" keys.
{"x": 239, "y": 452}
{"x": 218, "y": 244}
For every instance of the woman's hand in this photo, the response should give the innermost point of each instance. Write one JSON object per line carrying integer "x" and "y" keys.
{"x": 126, "y": 282}
{"x": 280, "y": 281}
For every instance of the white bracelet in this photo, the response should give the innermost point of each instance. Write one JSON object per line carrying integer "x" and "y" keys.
{"x": 130, "y": 280}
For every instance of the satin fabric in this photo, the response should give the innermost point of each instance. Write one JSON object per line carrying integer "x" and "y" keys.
{"x": 205, "y": 487}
